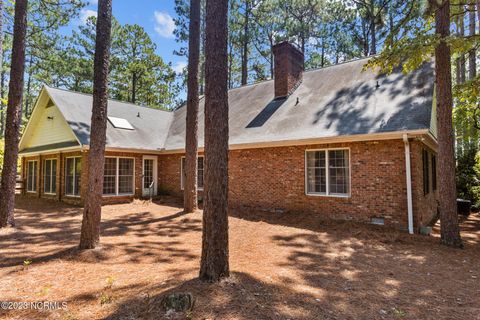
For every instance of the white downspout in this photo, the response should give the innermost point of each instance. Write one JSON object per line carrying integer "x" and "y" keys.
{"x": 408, "y": 171}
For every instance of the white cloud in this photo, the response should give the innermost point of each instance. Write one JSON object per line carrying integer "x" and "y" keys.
{"x": 179, "y": 66}
{"x": 93, "y": 2}
{"x": 164, "y": 24}
{"x": 85, "y": 14}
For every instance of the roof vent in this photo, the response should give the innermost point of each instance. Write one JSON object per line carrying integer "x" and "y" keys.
{"x": 120, "y": 123}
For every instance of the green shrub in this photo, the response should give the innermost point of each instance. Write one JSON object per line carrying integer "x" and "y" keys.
{"x": 468, "y": 175}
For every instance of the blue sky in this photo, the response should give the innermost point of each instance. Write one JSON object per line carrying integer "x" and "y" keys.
{"x": 156, "y": 16}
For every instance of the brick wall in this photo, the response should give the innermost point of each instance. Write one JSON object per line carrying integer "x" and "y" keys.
{"x": 425, "y": 206}
{"x": 273, "y": 179}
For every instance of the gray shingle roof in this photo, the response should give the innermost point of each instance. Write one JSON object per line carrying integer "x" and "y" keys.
{"x": 151, "y": 125}
{"x": 334, "y": 101}
{"x": 340, "y": 100}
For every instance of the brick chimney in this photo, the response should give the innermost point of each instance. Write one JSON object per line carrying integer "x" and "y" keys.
{"x": 288, "y": 68}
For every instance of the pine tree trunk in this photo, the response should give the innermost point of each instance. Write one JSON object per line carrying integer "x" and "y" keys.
{"x": 472, "y": 54}
{"x": 191, "y": 139}
{"x": 14, "y": 116}
{"x": 2, "y": 96}
{"x": 2, "y": 73}
{"x": 450, "y": 231}
{"x": 246, "y": 37}
{"x": 90, "y": 233}
{"x": 214, "y": 261}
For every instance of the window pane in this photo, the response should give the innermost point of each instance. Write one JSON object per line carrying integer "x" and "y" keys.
{"x": 70, "y": 172}
{"x": 147, "y": 173}
{"x": 109, "y": 177}
{"x": 47, "y": 176}
{"x": 32, "y": 176}
{"x": 54, "y": 176}
{"x": 78, "y": 175}
{"x": 338, "y": 171}
{"x": 73, "y": 174}
{"x": 125, "y": 176}
{"x": 316, "y": 172}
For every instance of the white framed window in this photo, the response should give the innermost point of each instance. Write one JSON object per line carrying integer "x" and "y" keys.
{"x": 327, "y": 172}
{"x": 32, "y": 174}
{"x": 119, "y": 176}
{"x": 50, "y": 176}
{"x": 199, "y": 173}
{"x": 73, "y": 176}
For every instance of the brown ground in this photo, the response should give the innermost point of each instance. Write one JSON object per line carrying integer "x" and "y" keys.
{"x": 283, "y": 267}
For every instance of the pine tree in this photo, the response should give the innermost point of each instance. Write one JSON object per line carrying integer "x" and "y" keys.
{"x": 450, "y": 231}
{"x": 191, "y": 140}
{"x": 90, "y": 232}
{"x": 214, "y": 261}
{"x": 14, "y": 116}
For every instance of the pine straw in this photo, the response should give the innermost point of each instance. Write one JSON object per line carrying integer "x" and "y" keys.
{"x": 284, "y": 266}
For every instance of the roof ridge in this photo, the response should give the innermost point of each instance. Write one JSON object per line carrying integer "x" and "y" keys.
{"x": 109, "y": 99}
{"x": 309, "y": 70}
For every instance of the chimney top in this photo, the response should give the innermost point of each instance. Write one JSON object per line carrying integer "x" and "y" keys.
{"x": 288, "y": 68}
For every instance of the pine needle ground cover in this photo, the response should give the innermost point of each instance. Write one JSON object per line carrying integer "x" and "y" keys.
{"x": 284, "y": 266}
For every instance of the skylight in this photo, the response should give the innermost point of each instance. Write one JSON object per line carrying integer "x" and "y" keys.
{"x": 120, "y": 123}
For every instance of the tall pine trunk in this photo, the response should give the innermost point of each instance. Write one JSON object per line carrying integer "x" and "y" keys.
{"x": 450, "y": 232}
{"x": 246, "y": 37}
{"x": 90, "y": 233}
{"x": 472, "y": 54}
{"x": 214, "y": 261}
{"x": 191, "y": 139}
{"x": 14, "y": 116}
{"x": 2, "y": 73}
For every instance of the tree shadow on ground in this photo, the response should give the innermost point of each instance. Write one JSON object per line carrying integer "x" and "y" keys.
{"x": 241, "y": 296}
{"x": 47, "y": 225}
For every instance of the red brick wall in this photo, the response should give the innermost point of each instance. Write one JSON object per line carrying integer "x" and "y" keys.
{"x": 424, "y": 206}
{"x": 273, "y": 179}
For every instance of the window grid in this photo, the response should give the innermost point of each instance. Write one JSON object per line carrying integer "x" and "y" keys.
{"x": 118, "y": 176}
{"x": 73, "y": 173}
{"x": 200, "y": 172}
{"x": 110, "y": 176}
{"x": 32, "y": 176}
{"x": 328, "y": 172}
{"x": 50, "y": 176}
{"x": 147, "y": 173}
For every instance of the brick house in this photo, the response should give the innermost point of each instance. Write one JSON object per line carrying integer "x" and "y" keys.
{"x": 337, "y": 141}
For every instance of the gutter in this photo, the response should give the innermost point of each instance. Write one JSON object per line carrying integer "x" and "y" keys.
{"x": 408, "y": 171}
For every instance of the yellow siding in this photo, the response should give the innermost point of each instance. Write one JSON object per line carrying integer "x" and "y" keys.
{"x": 47, "y": 126}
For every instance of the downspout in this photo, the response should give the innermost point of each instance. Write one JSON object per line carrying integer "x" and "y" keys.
{"x": 408, "y": 170}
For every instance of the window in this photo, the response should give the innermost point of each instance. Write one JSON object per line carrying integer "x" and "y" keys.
{"x": 50, "y": 176}
{"x": 434, "y": 172}
{"x": 199, "y": 173}
{"x": 328, "y": 172}
{"x": 32, "y": 172}
{"x": 426, "y": 180}
{"x": 73, "y": 174}
{"x": 118, "y": 176}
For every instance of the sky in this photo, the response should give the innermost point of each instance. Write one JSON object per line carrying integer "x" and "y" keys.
{"x": 155, "y": 16}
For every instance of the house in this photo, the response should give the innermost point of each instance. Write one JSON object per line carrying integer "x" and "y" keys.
{"x": 336, "y": 141}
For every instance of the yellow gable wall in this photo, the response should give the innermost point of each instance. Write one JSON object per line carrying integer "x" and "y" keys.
{"x": 46, "y": 125}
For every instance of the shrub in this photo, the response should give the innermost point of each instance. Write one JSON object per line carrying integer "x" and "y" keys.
{"x": 468, "y": 175}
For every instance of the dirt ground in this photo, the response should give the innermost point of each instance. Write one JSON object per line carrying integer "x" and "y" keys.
{"x": 284, "y": 266}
